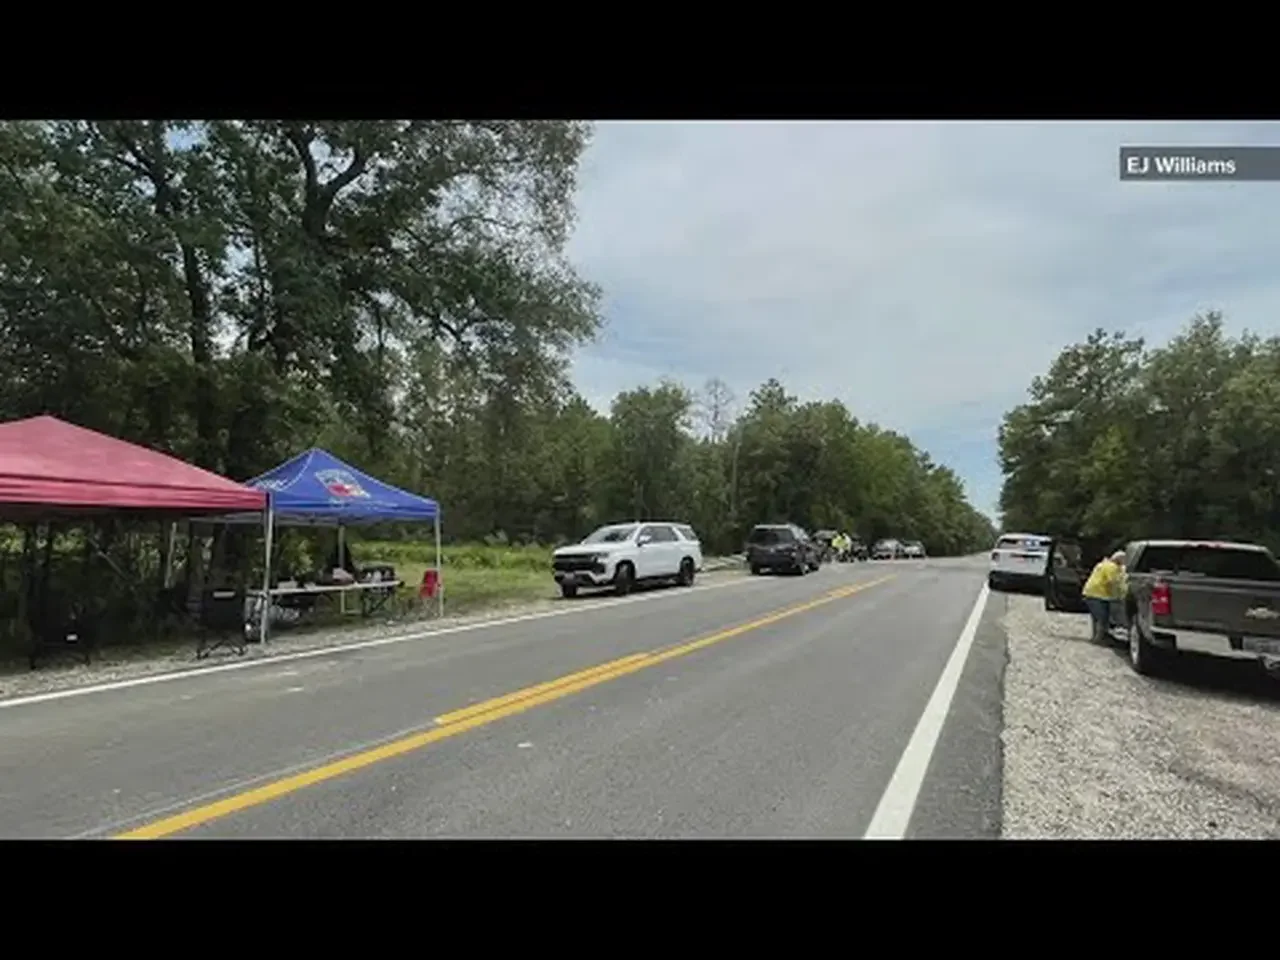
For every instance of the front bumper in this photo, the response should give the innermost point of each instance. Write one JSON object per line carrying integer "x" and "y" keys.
{"x": 575, "y": 571}
{"x": 581, "y": 578}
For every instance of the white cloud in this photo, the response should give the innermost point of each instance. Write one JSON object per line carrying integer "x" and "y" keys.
{"x": 922, "y": 273}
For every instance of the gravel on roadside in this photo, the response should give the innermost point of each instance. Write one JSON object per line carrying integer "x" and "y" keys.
{"x": 113, "y": 664}
{"x": 1093, "y": 750}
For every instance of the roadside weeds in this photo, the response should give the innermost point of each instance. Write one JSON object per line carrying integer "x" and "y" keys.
{"x": 1093, "y": 750}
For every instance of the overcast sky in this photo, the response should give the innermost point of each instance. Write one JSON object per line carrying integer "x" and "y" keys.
{"x": 921, "y": 273}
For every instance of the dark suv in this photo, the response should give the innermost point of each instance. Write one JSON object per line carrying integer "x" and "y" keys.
{"x": 782, "y": 546}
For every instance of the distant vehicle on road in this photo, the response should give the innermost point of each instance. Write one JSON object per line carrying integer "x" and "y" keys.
{"x": 824, "y": 540}
{"x": 888, "y": 550}
{"x": 621, "y": 555}
{"x": 856, "y": 550}
{"x": 782, "y": 547}
{"x": 1220, "y": 598}
{"x": 913, "y": 550}
{"x": 1019, "y": 559}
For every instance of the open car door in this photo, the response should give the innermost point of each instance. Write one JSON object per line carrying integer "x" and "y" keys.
{"x": 1064, "y": 576}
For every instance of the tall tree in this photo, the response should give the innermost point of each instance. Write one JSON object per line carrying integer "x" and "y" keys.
{"x": 715, "y": 407}
{"x": 1120, "y": 441}
{"x": 233, "y": 291}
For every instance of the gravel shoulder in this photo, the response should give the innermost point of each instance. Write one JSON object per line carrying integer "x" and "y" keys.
{"x": 113, "y": 664}
{"x": 1093, "y": 750}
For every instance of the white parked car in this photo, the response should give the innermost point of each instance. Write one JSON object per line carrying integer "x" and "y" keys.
{"x": 1019, "y": 559}
{"x": 888, "y": 550}
{"x": 621, "y": 555}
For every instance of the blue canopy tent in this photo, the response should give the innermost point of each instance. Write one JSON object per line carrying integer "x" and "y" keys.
{"x": 315, "y": 488}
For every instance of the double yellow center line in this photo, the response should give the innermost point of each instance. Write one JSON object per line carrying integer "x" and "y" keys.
{"x": 469, "y": 718}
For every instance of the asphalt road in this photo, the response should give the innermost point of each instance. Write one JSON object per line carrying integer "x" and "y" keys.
{"x": 761, "y": 707}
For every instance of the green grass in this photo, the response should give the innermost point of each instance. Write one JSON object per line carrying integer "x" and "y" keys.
{"x": 465, "y": 556}
{"x": 467, "y": 591}
{"x": 475, "y": 576}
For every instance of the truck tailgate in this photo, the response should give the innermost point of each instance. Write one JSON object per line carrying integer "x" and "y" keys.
{"x": 1231, "y": 608}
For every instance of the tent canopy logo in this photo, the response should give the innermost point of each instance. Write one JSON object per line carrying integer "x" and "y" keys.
{"x": 339, "y": 483}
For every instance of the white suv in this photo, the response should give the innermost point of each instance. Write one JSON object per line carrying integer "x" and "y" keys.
{"x": 1019, "y": 559}
{"x": 622, "y": 554}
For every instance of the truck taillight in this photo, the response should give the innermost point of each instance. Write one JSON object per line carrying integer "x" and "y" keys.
{"x": 1161, "y": 605}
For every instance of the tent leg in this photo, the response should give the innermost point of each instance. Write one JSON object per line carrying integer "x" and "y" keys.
{"x": 342, "y": 540}
{"x": 269, "y": 522}
{"x": 168, "y": 557}
{"x": 439, "y": 572}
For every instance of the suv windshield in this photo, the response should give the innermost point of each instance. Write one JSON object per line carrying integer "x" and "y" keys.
{"x": 610, "y": 535}
{"x": 767, "y": 535}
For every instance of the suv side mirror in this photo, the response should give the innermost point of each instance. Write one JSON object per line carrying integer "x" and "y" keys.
{"x": 643, "y": 539}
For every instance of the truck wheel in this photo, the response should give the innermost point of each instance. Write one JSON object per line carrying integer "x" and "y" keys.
{"x": 756, "y": 570}
{"x": 685, "y": 579}
{"x": 1145, "y": 657}
{"x": 624, "y": 579}
{"x": 568, "y": 590}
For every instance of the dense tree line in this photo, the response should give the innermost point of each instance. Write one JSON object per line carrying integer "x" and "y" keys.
{"x": 666, "y": 451}
{"x": 397, "y": 292}
{"x": 1120, "y": 440}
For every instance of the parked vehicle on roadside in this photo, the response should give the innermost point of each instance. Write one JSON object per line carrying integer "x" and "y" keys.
{"x": 1068, "y": 566}
{"x": 913, "y": 550}
{"x": 824, "y": 539}
{"x": 888, "y": 550}
{"x": 853, "y": 549}
{"x": 1220, "y": 598}
{"x": 621, "y": 555}
{"x": 781, "y": 547}
{"x": 829, "y": 538}
{"x": 1019, "y": 559}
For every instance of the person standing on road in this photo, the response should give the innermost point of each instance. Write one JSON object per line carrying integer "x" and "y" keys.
{"x": 1104, "y": 587}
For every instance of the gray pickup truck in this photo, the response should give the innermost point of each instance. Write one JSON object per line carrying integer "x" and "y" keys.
{"x": 1207, "y": 596}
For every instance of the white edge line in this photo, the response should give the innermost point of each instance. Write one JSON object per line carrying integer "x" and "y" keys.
{"x": 893, "y": 813}
{"x": 270, "y": 660}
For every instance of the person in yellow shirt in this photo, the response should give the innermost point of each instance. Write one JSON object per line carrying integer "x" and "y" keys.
{"x": 1105, "y": 586}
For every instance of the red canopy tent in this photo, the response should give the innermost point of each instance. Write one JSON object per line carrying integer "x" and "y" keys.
{"x": 51, "y": 469}
{"x": 49, "y": 466}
